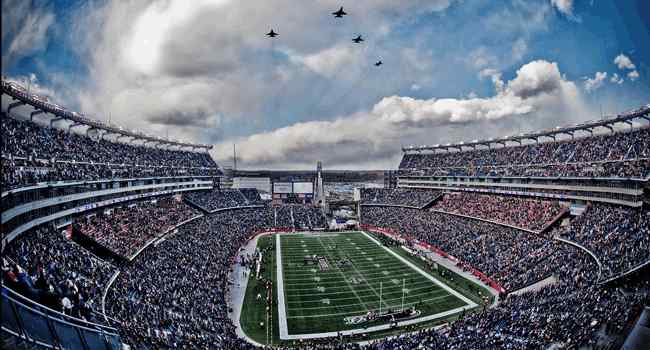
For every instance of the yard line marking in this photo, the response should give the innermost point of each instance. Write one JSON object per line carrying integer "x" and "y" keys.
{"x": 312, "y": 271}
{"x": 346, "y": 281}
{"x": 312, "y": 286}
{"x": 375, "y": 276}
{"x": 434, "y": 289}
{"x": 346, "y": 313}
{"x": 398, "y": 298}
{"x": 365, "y": 281}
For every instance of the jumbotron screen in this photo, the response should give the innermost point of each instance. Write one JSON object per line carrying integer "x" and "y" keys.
{"x": 282, "y": 187}
{"x": 303, "y": 187}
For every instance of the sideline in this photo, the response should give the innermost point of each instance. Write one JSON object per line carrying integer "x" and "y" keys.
{"x": 237, "y": 291}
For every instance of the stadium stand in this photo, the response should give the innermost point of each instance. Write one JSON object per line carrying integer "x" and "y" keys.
{"x": 176, "y": 293}
{"x": 308, "y": 217}
{"x": 621, "y": 154}
{"x": 397, "y": 196}
{"x": 126, "y": 230}
{"x": 54, "y": 271}
{"x": 619, "y": 236}
{"x": 569, "y": 313}
{"x": 32, "y": 153}
{"x": 527, "y": 213}
{"x": 283, "y": 216}
{"x": 502, "y": 253}
{"x": 217, "y": 199}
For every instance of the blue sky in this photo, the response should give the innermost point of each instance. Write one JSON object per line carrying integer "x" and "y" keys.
{"x": 453, "y": 70}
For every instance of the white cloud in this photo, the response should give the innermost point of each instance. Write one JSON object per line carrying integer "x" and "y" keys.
{"x": 624, "y": 62}
{"x": 167, "y": 65}
{"x": 564, "y": 6}
{"x": 24, "y": 29}
{"x": 538, "y": 94}
{"x": 481, "y": 57}
{"x": 488, "y": 72}
{"x": 415, "y": 87}
{"x": 330, "y": 61}
{"x": 144, "y": 47}
{"x": 616, "y": 79}
{"x": 535, "y": 78}
{"x": 417, "y": 60}
{"x": 596, "y": 82}
{"x": 495, "y": 76}
{"x": 519, "y": 49}
{"x": 633, "y": 75}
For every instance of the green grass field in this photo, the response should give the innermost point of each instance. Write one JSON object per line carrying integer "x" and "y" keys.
{"x": 317, "y": 299}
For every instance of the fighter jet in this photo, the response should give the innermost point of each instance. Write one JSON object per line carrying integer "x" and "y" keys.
{"x": 340, "y": 13}
{"x": 379, "y": 63}
{"x": 272, "y": 34}
{"x": 357, "y": 39}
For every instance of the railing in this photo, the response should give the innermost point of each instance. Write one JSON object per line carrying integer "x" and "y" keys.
{"x": 507, "y": 191}
{"x": 626, "y": 273}
{"x": 80, "y": 209}
{"x": 37, "y": 324}
{"x": 428, "y": 203}
{"x": 20, "y": 209}
{"x": 583, "y": 248}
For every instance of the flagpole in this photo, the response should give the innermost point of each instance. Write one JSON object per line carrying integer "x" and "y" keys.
{"x": 381, "y": 284}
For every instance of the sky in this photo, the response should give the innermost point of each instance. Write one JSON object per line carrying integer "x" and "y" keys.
{"x": 453, "y": 70}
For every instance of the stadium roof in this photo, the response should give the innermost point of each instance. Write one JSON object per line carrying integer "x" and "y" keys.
{"x": 642, "y": 112}
{"x": 19, "y": 93}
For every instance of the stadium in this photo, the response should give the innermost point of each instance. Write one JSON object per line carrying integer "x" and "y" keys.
{"x": 521, "y": 220}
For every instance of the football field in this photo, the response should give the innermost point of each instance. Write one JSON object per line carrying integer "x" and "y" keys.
{"x": 324, "y": 280}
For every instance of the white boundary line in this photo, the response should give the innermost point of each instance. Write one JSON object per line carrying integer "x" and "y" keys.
{"x": 282, "y": 315}
{"x": 282, "y": 312}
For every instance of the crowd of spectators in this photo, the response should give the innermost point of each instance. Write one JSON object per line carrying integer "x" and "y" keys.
{"x": 618, "y": 236}
{"x": 173, "y": 296}
{"x": 308, "y": 217}
{"x": 512, "y": 257}
{"x": 283, "y": 216}
{"x": 622, "y": 154}
{"x": 22, "y": 172}
{"x": 217, "y": 199}
{"x": 33, "y": 153}
{"x": 570, "y": 313}
{"x": 124, "y": 230}
{"x": 527, "y": 213}
{"x": 397, "y": 196}
{"x": 47, "y": 267}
